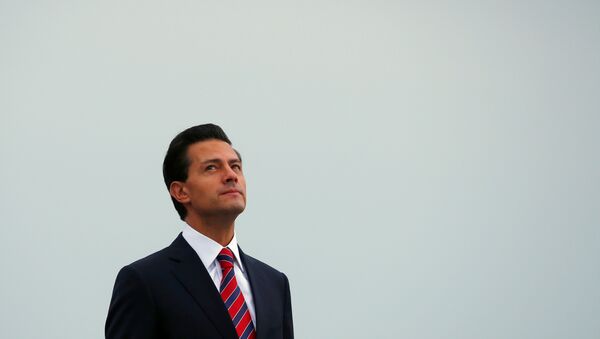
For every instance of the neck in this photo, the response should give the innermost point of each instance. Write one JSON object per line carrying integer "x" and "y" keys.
{"x": 218, "y": 228}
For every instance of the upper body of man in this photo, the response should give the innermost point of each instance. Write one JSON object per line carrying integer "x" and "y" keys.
{"x": 202, "y": 285}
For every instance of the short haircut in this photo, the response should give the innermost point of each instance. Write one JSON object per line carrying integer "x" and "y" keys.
{"x": 176, "y": 163}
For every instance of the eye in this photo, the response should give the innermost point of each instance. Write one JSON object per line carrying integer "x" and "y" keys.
{"x": 236, "y": 167}
{"x": 210, "y": 168}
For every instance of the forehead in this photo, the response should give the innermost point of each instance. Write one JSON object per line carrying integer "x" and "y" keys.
{"x": 211, "y": 149}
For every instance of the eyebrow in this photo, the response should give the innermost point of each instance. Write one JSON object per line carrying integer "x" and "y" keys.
{"x": 230, "y": 161}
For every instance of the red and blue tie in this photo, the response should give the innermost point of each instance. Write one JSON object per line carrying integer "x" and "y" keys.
{"x": 233, "y": 298}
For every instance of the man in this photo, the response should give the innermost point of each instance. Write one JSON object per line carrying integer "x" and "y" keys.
{"x": 202, "y": 285}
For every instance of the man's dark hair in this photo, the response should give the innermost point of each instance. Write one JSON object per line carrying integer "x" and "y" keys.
{"x": 176, "y": 163}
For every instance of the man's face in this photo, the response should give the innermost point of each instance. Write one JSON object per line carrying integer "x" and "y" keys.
{"x": 215, "y": 184}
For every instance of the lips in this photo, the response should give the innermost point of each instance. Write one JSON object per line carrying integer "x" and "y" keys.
{"x": 231, "y": 191}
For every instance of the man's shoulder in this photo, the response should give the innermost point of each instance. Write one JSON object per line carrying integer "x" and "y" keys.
{"x": 159, "y": 259}
{"x": 149, "y": 267}
{"x": 151, "y": 260}
{"x": 260, "y": 266}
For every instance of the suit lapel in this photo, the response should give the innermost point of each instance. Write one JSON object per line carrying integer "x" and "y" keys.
{"x": 192, "y": 274}
{"x": 258, "y": 294}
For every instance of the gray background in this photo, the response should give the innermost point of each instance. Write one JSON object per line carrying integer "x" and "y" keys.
{"x": 421, "y": 169}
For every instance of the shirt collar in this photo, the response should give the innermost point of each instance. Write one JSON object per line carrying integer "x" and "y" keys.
{"x": 208, "y": 249}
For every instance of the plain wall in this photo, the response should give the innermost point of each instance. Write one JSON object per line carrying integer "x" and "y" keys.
{"x": 422, "y": 169}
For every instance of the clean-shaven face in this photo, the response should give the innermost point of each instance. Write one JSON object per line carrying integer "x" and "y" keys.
{"x": 215, "y": 182}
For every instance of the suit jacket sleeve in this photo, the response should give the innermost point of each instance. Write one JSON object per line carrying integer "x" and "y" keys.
{"x": 288, "y": 326}
{"x": 131, "y": 313}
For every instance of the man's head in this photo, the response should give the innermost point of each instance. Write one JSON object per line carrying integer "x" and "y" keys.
{"x": 203, "y": 173}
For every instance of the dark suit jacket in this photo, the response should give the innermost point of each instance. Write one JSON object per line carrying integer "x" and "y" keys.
{"x": 169, "y": 294}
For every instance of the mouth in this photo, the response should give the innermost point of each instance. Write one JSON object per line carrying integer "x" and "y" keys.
{"x": 231, "y": 192}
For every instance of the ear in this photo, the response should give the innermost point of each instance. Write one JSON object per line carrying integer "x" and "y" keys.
{"x": 178, "y": 192}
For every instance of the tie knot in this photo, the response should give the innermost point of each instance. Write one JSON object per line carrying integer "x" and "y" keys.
{"x": 225, "y": 258}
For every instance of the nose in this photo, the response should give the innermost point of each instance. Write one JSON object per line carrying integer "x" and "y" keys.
{"x": 230, "y": 175}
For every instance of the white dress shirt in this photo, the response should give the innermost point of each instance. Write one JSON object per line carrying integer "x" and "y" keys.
{"x": 208, "y": 249}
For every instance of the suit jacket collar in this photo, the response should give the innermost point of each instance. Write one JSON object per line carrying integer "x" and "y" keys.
{"x": 192, "y": 274}
{"x": 258, "y": 292}
{"x": 190, "y": 271}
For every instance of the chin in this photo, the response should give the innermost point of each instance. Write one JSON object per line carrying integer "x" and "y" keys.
{"x": 237, "y": 209}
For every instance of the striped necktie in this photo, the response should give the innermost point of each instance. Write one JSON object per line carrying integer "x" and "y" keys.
{"x": 233, "y": 298}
